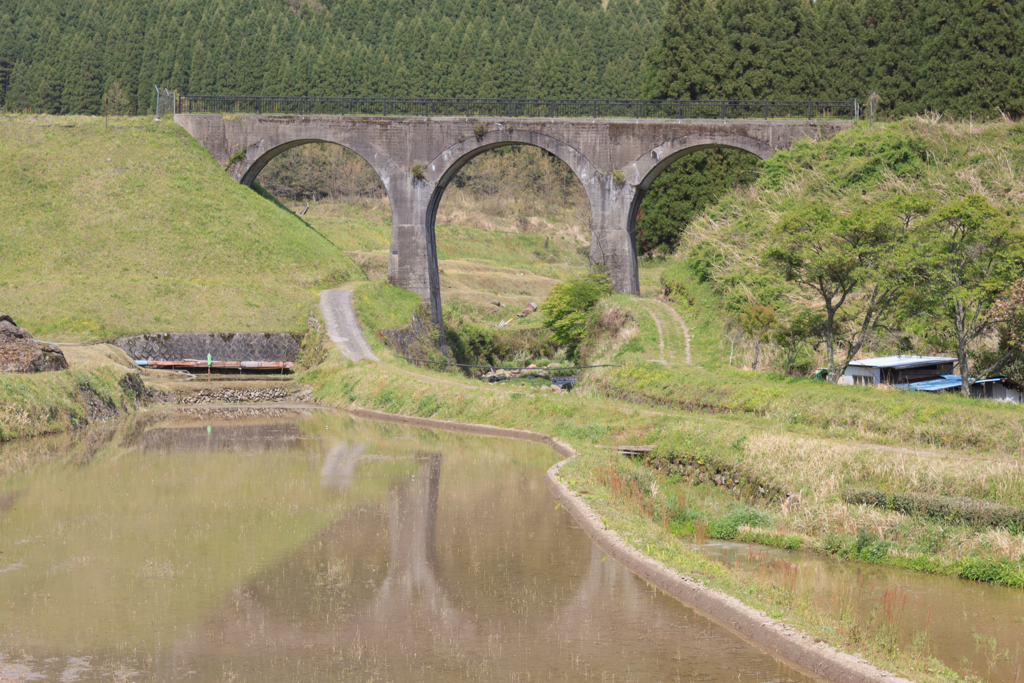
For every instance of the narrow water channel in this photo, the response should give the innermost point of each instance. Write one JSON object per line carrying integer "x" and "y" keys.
{"x": 319, "y": 548}
{"x": 975, "y": 629}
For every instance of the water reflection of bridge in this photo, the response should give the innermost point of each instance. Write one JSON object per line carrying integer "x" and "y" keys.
{"x": 373, "y": 594}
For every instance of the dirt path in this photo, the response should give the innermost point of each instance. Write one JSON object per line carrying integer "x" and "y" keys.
{"x": 342, "y": 326}
{"x": 661, "y": 334}
{"x": 679, "y": 322}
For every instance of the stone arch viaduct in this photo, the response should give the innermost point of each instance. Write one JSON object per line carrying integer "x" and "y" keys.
{"x": 417, "y": 157}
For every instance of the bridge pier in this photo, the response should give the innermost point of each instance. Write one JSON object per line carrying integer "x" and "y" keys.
{"x": 412, "y": 259}
{"x": 612, "y": 234}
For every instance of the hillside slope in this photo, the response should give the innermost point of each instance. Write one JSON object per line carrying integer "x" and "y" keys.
{"x": 106, "y": 231}
{"x": 904, "y": 173}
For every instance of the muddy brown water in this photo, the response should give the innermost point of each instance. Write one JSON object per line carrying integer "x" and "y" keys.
{"x": 320, "y": 548}
{"x": 975, "y": 629}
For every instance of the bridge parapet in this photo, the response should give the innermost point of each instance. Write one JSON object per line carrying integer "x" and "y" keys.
{"x": 519, "y": 108}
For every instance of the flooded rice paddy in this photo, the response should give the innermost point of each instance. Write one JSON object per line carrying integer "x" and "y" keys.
{"x": 319, "y": 548}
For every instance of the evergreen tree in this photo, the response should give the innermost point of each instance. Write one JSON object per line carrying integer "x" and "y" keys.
{"x": 894, "y": 38}
{"x": 7, "y": 59}
{"x": 83, "y": 87}
{"x": 687, "y": 63}
{"x": 749, "y": 32}
{"x": 843, "y": 52}
{"x": 794, "y": 52}
{"x": 20, "y": 93}
{"x": 49, "y": 89}
{"x": 971, "y": 47}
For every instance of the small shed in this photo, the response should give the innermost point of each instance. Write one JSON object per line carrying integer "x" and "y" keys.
{"x": 896, "y": 370}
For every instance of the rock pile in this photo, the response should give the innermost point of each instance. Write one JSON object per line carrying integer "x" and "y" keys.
{"x": 233, "y": 396}
{"x": 19, "y": 352}
{"x": 529, "y": 372}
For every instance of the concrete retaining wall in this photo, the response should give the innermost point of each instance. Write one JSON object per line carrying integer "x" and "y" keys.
{"x": 252, "y": 346}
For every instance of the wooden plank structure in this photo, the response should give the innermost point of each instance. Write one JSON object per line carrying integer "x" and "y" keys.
{"x": 630, "y": 450}
{"x": 241, "y": 365}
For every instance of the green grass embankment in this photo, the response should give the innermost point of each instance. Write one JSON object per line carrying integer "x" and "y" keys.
{"x": 133, "y": 227}
{"x": 101, "y": 382}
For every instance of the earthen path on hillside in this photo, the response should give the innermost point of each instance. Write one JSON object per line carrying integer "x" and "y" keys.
{"x": 342, "y": 326}
{"x": 683, "y": 329}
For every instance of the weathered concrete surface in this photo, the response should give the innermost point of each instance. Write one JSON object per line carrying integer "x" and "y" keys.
{"x": 342, "y": 325}
{"x": 416, "y": 158}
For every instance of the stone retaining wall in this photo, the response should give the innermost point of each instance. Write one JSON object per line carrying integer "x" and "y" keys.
{"x": 232, "y": 346}
{"x": 227, "y": 395}
{"x": 731, "y": 477}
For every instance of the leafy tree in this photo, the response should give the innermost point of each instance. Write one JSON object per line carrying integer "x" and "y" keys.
{"x": 116, "y": 100}
{"x": 970, "y": 255}
{"x": 793, "y": 335}
{"x": 855, "y": 264}
{"x": 1008, "y": 357}
{"x": 757, "y": 321}
{"x": 565, "y": 309}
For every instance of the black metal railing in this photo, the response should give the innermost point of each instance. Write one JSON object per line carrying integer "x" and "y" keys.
{"x": 505, "y": 108}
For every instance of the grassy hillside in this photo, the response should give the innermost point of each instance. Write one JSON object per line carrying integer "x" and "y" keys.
{"x": 106, "y": 231}
{"x": 923, "y": 162}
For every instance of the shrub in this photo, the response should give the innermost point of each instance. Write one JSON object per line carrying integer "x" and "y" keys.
{"x": 947, "y": 508}
{"x": 726, "y": 527}
{"x": 567, "y": 306}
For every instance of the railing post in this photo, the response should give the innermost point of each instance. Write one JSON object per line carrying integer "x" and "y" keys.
{"x": 809, "y": 117}
{"x": 766, "y": 110}
{"x": 682, "y": 108}
{"x": 723, "y": 111}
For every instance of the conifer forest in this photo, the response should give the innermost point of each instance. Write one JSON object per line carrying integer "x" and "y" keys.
{"x": 962, "y": 58}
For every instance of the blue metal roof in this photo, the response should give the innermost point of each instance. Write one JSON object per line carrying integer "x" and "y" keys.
{"x": 947, "y": 382}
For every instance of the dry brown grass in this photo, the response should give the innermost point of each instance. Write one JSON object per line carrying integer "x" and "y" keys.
{"x": 821, "y": 469}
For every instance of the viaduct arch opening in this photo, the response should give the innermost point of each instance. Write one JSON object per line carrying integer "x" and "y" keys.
{"x": 443, "y": 169}
{"x": 661, "y": 160}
